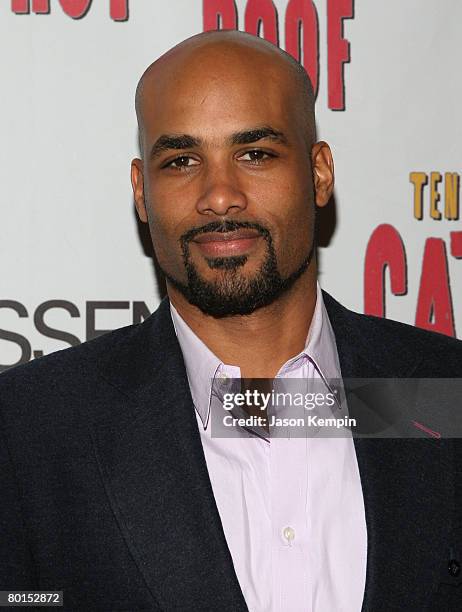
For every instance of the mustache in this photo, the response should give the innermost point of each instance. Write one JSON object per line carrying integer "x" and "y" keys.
{"x": 223, "y": 227}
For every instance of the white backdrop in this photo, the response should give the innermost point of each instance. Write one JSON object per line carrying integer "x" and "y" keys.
{"x": 68, "y": 233}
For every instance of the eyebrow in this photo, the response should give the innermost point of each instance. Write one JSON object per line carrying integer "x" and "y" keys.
{"x": 173, "y": 141}
{"x": 167, "y": 142}
{"x": 258, "y": 133}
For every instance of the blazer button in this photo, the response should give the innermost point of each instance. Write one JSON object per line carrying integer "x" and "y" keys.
{"x": 454, "y": 567}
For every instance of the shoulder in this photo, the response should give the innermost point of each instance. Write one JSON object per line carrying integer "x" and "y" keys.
{"x": 76, "y": 380}
{"x": 437, "y": 355}
{"x": 415, "y": 336}
{"x": 72, "y": 362}
{"x": 62, "y": 393}
{"x": 55, "y": 393}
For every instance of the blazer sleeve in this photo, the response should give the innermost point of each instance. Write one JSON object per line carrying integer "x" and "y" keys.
{"x": 16, "y": 567}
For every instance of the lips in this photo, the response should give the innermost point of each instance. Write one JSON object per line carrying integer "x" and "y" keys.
{"x": 239, "y": 234}
{"x": 227, "y": 244}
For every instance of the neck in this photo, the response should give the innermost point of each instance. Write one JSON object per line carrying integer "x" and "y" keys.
{"x": 259, "y": 343}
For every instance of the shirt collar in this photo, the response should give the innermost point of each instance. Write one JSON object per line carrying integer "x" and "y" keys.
{"x": 202, "y": 366}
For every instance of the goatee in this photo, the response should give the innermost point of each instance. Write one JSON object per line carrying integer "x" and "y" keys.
{"x": 234, "y": 294}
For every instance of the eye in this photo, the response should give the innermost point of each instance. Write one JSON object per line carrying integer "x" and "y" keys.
{"x": 182, "y": 163}
{"x": 256, "y": 156}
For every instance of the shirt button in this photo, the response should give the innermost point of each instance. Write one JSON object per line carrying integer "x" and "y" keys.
{"x": 289, "y": 534}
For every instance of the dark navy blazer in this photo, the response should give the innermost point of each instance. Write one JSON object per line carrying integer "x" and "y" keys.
{"x": 105, "y": 492}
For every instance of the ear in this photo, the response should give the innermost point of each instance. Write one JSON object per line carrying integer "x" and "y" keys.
{"x": 138, "y": 189}
{"x": 323, "y": 172}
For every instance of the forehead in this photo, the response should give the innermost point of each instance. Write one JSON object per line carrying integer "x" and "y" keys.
{"x": 216, "y": 91}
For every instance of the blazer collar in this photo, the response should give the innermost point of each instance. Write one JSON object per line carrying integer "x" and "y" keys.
{"x": 152, "y": 463}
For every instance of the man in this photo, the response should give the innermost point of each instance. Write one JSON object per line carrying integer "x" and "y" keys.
{"x": 114, "y": 489}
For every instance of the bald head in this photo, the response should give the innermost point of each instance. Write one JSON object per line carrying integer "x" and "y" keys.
{"x": 227, "y": 54}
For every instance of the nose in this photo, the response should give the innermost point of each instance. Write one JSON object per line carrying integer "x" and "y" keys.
{"x": 221, "y": 194}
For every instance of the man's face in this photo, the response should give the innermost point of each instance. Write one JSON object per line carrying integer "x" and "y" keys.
{"x": 226, "y": 181}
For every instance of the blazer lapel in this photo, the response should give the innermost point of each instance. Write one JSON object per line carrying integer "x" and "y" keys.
{"x": 407, "y": 483}
{"x": 150, "y": 455}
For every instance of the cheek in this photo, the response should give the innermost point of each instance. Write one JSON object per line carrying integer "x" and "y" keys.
{"x": 162, "y": 229}
{"x": 294, "y": 214}
{"x": 168, "y": 221}
{"x": 302, "y": 208}
{"x": 171, "y": 205}
{"x": 290, "y": 205}
{"x": 162, "y": 213}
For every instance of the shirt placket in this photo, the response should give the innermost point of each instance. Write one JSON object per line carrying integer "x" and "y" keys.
{"x": 288, "y": 459}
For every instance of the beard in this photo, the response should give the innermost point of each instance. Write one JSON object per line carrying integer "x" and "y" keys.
{"x": 234, "y": 293}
